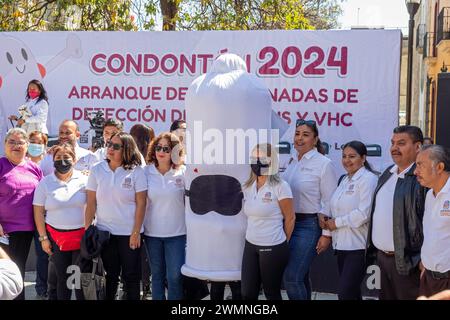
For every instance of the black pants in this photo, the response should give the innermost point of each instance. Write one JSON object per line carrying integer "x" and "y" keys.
{"x": 430, "y": 286}
{"x": 351, "y": 266}
{"x": 393, "y": 285}
{"x": 52, "y": 281}
{"x": 266, "y": 265}
{"x": 119, "y": 259}
{"x": 145, "y": 267}
{"x": 194, "y": 289}
{"x": 17, "y": 250}
{"x": 218, "y": 289}
{"x": 61, "y": 260}
{"x": 41, "y": 267}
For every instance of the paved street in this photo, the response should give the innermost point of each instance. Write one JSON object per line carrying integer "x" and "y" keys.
{"x": 30, "y": 294}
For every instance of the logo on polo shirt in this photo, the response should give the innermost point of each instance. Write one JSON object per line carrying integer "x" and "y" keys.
{"x": 127, "y": 183}
{"x": 446, "y": 208}
{"x": 351, "y": 189}
{"x": 179, "y": 182}
{"x": 267, "y": 197}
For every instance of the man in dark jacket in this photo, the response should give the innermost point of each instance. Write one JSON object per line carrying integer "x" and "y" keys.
{"x": 395, "y": 230}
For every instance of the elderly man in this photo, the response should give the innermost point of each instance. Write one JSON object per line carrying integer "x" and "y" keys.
{"x": 395, "y": 231}
{"x": 433, "y": 171}
{"x": 70, "y": 133}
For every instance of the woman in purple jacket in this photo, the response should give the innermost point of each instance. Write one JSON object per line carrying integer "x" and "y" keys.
{"x": 18, "y": 179}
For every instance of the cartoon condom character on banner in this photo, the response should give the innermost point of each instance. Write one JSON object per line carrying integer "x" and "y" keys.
{"x": 228, "y": 111}
{"x": 18, "y": 66}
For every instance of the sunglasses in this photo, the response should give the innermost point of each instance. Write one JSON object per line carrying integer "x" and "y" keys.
{"x": 164, "y": 149}
{"x": 115, "y": 146}
{"x": 301, "y": 122}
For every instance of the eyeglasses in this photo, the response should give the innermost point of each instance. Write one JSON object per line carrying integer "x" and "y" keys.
{"x": 164, "y": 149}
{"x": 301, "y": 122}
{"x": 115, "y": 146}
{"x": 16, "y": 143}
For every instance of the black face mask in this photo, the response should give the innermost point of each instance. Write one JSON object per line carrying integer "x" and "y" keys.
{"x": 256, "y": 167}
{"x": 63, "y": 166}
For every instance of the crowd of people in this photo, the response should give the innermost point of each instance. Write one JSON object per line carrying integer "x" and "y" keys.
{"x": 134, "y": 188}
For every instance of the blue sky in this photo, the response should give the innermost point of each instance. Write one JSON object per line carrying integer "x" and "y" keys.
{"x": 387, "y": 13}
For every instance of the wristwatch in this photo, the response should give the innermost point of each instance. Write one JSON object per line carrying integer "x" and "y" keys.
{"x": 42, "y": 238}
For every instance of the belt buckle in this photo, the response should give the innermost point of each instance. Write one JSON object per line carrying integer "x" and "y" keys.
{"x": 389, "y": 253}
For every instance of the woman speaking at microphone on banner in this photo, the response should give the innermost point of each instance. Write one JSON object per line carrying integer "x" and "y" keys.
{"x": 116, "y": 197}
{"x": 59, "y": 203}
{"x": 34, "y": 113}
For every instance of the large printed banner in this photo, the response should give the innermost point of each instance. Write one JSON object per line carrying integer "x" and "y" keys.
{"x": 347, "y": 81}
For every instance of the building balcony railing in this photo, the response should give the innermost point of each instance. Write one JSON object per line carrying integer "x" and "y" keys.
{"x": 429, "y": 45}
{"x": 420, "y": 36}
{"x": 443, "y": 30}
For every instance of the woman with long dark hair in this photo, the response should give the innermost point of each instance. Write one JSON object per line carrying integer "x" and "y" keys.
{"x": 117, "y": 197}
{"x": 34, "y": 112}
{"x": 142, "y": 135}
{"x": 312, "y": 180}
{"x": 350, "y": 212}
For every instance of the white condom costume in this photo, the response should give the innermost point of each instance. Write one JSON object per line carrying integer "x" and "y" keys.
{"x": 226, "y": 98}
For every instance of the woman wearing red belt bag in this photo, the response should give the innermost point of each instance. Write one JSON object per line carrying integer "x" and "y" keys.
{"x": 63, "y": 195}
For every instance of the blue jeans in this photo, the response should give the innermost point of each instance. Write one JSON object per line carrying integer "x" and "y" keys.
{"x": 166, "y": 256}
{"x": 41, "y": 267}
{"x": 302, "y": 251}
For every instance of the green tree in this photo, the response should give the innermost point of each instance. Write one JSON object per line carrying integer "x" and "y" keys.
{"x": 242, "y": 15}
{"x": 322, "y": 14}
{"x": 32, "y": 15}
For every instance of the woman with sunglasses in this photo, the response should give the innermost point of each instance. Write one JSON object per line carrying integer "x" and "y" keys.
{"x": 270, "y": 221}
{"x": 116, "y": 197}
{"x": 350, "y": 210}
{"x": 165, "y": 227}
{"x": 313, "y": 180}
{"x": 18, "y": 180}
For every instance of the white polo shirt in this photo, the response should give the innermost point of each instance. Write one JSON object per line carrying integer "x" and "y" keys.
{"x": 64, "y": 201}
{"x": 350, "y": 207}
{"x": 435, "y": 251}
{"x": 383, "y": 219}
{"x": 264, "y": 218}
{"x": 312, "y": 181}
{"x": 165, "y": 214}
{"x": 116, "y": 197}
{"x": 86, "y": 159}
